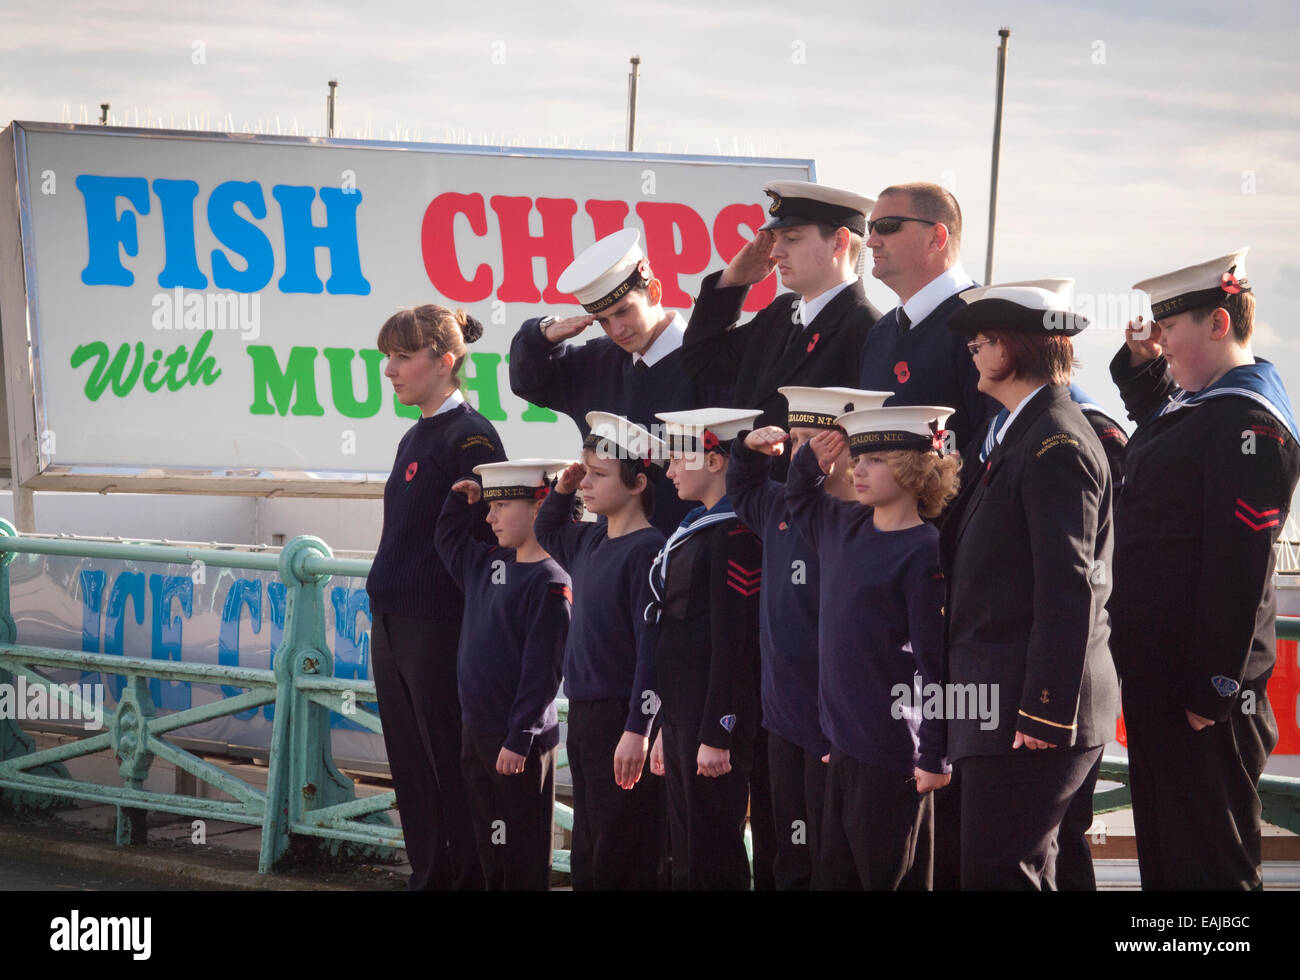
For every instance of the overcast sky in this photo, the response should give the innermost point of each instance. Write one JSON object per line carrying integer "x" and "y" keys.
{"x": 1134, "y": 142}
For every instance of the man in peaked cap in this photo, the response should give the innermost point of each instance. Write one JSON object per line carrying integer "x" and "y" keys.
{"x": 811, "y": 335}
{"x": 1209, "y": 476}
{"x": 634, "y": 370}
{"x": 914, "y": 234}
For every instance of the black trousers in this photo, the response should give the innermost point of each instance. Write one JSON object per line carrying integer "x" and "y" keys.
{"x": 706, "y": 818}
{"x": 947, "y": 835}
{"x": 877, "y": 830}
{"x": 511, "y": 814}
{"x": 1196, "y": 808}
{"x": 1074, "y": 871}
{"x": 617, "y": 833}
{"x": 1011, "y": 811}
{"x": 414, "y": 666}
{"x": 798, "y": 782}
{"x": 762, "y": 829}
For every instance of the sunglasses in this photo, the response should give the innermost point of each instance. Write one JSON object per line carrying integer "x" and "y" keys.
{"x": 891, "y": 224}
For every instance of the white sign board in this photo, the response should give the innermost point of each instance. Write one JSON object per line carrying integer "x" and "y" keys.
{"x": 198, "y": 311}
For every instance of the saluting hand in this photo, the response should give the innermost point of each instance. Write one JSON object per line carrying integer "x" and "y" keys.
{"x": 570, "y": 326}
{"x": 827, "y": 446}
{"x": 1143, "y": 339}
{"x": 470, "y": 489}
{"x": 570, "y": 478}
{"x": 629, "y": 759}
{"x": 751, "y": 264}
{"x": 767, "y": 440}
{"x": 712, "y": 762}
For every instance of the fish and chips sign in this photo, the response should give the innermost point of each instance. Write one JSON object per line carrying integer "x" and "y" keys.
{"x": 198, "y": 311}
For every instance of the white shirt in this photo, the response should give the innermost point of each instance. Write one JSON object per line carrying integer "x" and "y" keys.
{"x": 665, "y": 343}
{"x": 454, "y": 399}
{"x": 809, "y": 308}
{"x": 927, "y": 299}
{"x": 1012, "y": 417}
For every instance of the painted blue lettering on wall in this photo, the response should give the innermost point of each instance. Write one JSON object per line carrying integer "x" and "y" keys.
{"x": 243, "y": 592}
{"x": 302, "y": 238}
{"x": 167, "y": 636}
{"x": 92, "y": 598}
{"x": 351, "y": 653}
{"x": 129, "y": 585}
{"x": 246, "y": 261}
{"x": 106, "y": 232}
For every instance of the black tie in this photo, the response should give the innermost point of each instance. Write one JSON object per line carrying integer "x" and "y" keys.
{"x": 904, "y": 322}
{"x": 641, "y": 365}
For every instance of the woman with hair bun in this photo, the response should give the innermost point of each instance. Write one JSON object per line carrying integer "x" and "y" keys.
{"x": 415, "y": 606}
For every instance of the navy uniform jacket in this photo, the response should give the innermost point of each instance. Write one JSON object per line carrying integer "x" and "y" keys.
{"x": 599, "y": 376}
{"x": 706, "y": 658}
{"x": 1206, "y": 491}
{"x": 1027, "y": 553}
{"x": 787, "y": 626}
{"x": 771, "y": 351}
{"x": 881, "y": 627}
{"x": 929, "y": 365}
{"x": 608, "y": 654}
{"x": 1113, "y": 438}
{"x": 512, "y": 640}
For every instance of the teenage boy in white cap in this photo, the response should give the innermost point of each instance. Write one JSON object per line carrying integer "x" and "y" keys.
{"x": 811, "y": 335}
{"x": 508, "y": 667}
{"x": 1209, "y": 476}
{"x": 635, "y": 370}
{"x": 705, "y": 620}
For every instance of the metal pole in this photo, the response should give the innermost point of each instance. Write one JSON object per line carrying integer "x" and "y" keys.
{"x": 631, "y": 101}
{"x": 1003, "y": 33}
{"x": 103, "y": 113}
{"x": 329, "y": 107}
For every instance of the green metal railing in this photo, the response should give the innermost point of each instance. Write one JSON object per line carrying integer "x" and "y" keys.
{"x": 307, "y": 800}
{"x": 305, "y": 797}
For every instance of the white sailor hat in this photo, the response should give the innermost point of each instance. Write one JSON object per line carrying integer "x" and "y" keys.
{"x": 615, "y": 436}
{"x": 705, "y": 429}
{"x": 873, "y": 430}
{"x": 1197, "y": 285}
{"x": 798, "y": 202}
{"x": 517, "y": 479}
{"x": 818, "y": 408}
{"x": 1037, "y": 306}
{"x": 606, "y": 271}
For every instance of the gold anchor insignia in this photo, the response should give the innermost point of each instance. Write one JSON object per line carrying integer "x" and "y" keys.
{"x": 775, "y": 205}
{"x": 1044, "y": 696}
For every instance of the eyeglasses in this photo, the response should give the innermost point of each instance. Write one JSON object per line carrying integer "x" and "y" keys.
{"x": 891, "y": 224}
{"x": 975, "y": 345}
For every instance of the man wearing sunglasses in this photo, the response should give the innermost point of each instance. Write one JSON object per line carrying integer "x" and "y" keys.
{"x": 914, "y": 234}
{"x": 811, "y": 336}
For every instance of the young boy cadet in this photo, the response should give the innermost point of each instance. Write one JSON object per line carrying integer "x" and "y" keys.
{"x": 705, "y": 616}
{"x": 1208, "y": 480}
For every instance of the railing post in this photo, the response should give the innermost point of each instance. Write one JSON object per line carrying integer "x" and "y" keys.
{"x": 131, "y": 746}
{"x": 304, "y": 773}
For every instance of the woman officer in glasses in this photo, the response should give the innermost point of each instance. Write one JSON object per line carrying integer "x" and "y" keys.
{"x": 1027, "y": 554}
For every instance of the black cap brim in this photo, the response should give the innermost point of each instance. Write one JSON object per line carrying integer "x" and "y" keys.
{"x": 1002, "y": 314}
